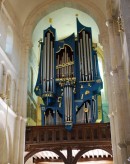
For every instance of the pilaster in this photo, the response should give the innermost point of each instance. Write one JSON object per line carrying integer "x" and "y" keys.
{"x": 22, "y": 141}
{"x": 107, "y": 60}
{"x": 16, "y": 146}
{"x": 119, "y": 90}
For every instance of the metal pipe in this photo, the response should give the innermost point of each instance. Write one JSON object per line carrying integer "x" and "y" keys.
{"x": 53, "y": 73}
{"x": 95, "y": 63}
{"x": 88, "y": 57}
{"x": 86, "y": 61}
{"x": 48, "y": 54}
{"x": 71, "y": 103}
{"x": 82, "y": 58}
{"x": 65, "y": 103}
{"x": 65, "y": 62}
{"x": 51, "y": 67}
{"x": 89, "y": 112}
{"x": 58, "y": 62}
{"x": 67, "y": 73}
{"x": 80, "y": 62}
{"x": 90, "y": 50}
{"x": 44, "y": 67}
{"x": 71, "y": 67}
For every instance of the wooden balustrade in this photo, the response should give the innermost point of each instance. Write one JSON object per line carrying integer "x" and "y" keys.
{"x": 95, "y": 135}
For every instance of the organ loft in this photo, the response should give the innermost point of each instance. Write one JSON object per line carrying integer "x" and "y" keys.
{"x": 69, "y": 81}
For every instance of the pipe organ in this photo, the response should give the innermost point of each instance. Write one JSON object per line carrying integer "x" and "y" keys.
{"x": 68, "y": 79}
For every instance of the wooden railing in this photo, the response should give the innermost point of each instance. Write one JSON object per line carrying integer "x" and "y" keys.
{"x": 82, "y": 135}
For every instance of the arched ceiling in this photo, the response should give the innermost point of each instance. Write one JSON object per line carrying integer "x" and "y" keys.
{"x": 23, "y": 8}
{"x": 64, "y": 21}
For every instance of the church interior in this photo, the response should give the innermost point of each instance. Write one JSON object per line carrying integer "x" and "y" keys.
{"x": 64, "y": 82}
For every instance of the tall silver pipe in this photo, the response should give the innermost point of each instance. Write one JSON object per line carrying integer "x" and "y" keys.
{"x": 48, "y": 59}
{"x": 67, "y": 72}
{"x": 51, "y": 68}
{"x": 44, "y": 67}
{"x": 69, "y": 103}
{"x": 90, "y": 51}
{"x": 65, "y": 62}
{"x": 65, "y": 103}
{"x": 82, "y": 58}
{"x": 94, "y": 107}
{"x": 58, "y": 70}
{"x": 95, "y": 63}
{"x": 80, "y": 61}
{"x": 88, "y": 57}
{"x": 89, "y": 112}
{"x": 53, "y": 74}
{"x": 86, "y": 61}
{"x": 72, "y": 67}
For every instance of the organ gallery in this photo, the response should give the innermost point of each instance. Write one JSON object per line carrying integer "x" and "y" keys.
{"x": 69, "y": 81}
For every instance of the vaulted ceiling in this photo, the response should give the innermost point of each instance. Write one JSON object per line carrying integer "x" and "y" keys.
{"x": 23, "y": 8}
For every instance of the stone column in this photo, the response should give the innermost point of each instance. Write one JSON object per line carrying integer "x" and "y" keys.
{"x": 125, "y": 16}
{"x": 23, "y": 96}
{"x": 16, "y": 140}
{"x": 107, "y": 60}
{"x": 26, "y": 46}
{"x": 22, "y": 141}
{"x": 120, "y": 103}
{"x": 1, "y": 77}
{"x": 0, "y": 4}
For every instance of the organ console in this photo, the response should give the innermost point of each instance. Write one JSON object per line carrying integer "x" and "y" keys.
{"x": 69, "y": 81}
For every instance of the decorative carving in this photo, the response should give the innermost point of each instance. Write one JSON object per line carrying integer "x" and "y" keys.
{"x": 36, "y": 141}
{"x": 120, "y": 25}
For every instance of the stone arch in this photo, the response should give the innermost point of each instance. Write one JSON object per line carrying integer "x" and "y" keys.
{"x": 49, "y": 6}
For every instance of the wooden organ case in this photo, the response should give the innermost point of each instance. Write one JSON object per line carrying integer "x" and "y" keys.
{"x": 68, "y": 80}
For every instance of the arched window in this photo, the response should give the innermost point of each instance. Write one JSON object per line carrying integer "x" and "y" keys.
{"x": 9, "y": 40}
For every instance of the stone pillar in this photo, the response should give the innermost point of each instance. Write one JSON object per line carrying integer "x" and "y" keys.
{"x": 1, "y": 78}
{"x": 24, "y": 78}
{"x": 22, "y": 141}
{"x": 125, "y": 16}
{"x": 119, "y": 96}
{"x": 107, "y": 60}
{"x": 22, "y": 102}
{"x": 0, "y": 4}
{"x": 16, "y": 146}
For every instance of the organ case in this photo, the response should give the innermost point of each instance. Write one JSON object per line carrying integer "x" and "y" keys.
{"x": 68, "y": 80}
